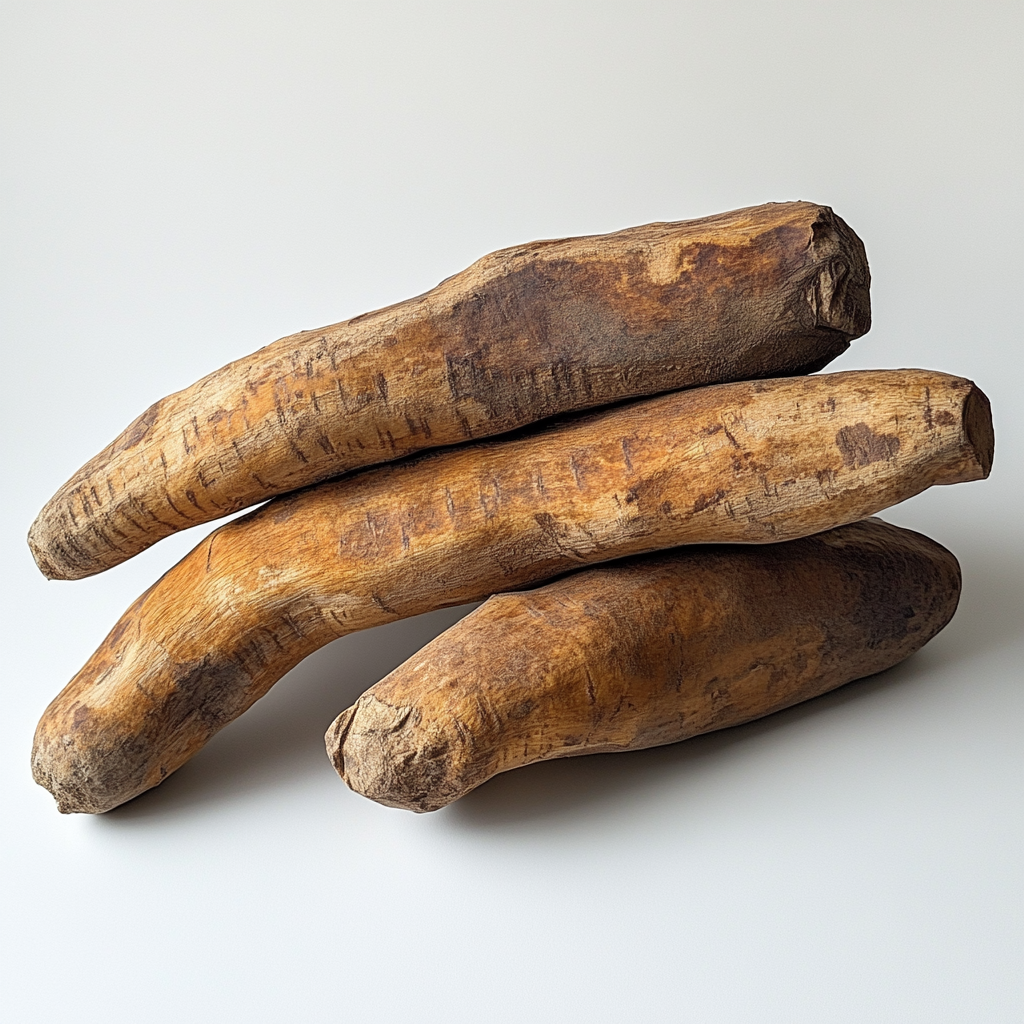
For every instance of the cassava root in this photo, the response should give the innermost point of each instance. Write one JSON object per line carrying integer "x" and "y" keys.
{"x": 752, "y": 462}
{"x": 643, "y": 652}
{"x": 523, "y": 334}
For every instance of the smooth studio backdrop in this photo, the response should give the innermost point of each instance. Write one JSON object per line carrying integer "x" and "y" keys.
{"x": 184, "y": 182}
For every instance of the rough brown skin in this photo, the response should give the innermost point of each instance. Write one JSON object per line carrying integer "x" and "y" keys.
{"x": 523, "y": 334}
{"x": 640, "y": 653}
{"x": 753, "y": 462}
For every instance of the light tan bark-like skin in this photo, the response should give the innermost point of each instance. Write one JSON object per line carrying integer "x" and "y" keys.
{"x": 523, "y": 334}
{"x": 641, "y": 653}
{"x": 752, "y": 462}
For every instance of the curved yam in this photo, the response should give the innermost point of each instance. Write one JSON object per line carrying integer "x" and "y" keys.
{"x": 523, "y": 334}
{"x": 640, "y": 653}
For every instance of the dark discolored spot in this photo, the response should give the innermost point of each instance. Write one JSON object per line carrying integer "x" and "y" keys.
{"x": 521, "y": 709}
{"x": 207, "y": 693}
{"x": 119, "y": 630}
{"x": 137, "y": 429}
{"x": 649, "y": 490}
{"x": 860, "y": 445}
{"x": 707, "y": 500}
{"x": 81, "y": 714}
{"x": 547, "y": 522}
{"x": 944, "y": 418}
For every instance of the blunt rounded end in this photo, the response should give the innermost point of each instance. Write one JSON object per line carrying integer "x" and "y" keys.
{"x": 978, "y": 428}
{"x": 40, "y": 549}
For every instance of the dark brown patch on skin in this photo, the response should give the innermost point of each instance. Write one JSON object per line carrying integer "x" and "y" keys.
{"x": 860, "y": 445}
{"x": 707, "y": 500}
{"x": 521, "y": 710}
{"x": 547, "y": 522}
{"x": 117, "y": 632}
{"x": 208, "y": 693}
{"x": 137, "y": 429}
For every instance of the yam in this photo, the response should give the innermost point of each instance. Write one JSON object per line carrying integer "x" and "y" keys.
{"x": 523, "y": 334}
{"x": 643, "y": 652}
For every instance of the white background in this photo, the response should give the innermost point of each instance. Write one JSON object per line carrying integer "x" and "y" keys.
{"x": 184, "y": 182}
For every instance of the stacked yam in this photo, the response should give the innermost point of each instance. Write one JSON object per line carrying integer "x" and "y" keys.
{"x": 642, "y": 652}
{"x": 698, "y": 337}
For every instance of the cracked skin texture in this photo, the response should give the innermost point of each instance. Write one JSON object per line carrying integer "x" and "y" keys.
{"x": 753, "y": 462}
{"x": 643, "y": 652}
{"x": 523, "y": 334}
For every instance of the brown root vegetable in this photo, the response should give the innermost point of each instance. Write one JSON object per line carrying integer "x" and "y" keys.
{"x": 754, "y": 462}
{"x": 640, "y": 653}
{"x": 521, "y": 335}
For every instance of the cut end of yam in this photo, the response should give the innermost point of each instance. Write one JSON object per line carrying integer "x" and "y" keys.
{"x": 978, "y": 428}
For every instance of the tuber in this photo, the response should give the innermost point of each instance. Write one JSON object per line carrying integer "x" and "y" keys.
{"x": 639, "y": 653}
{"x": 523, "y": 334}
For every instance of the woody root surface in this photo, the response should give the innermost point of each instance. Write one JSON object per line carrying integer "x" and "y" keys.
{"x": 700, "y": 502}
